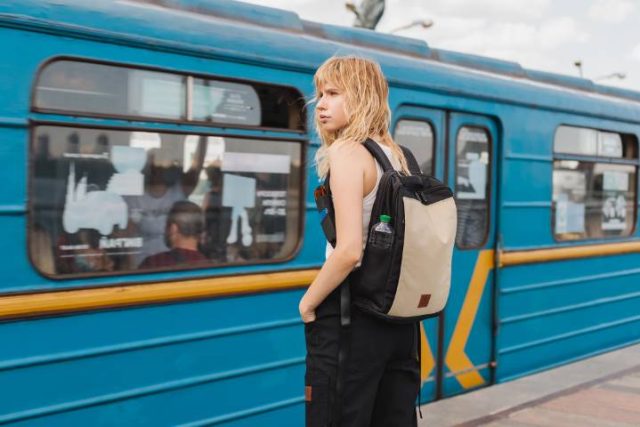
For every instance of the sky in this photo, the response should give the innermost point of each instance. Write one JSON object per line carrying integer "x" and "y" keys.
{"x": 547, "y": 35}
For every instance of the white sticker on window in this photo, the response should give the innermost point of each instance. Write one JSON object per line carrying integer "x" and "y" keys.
{"x": 474, "y": 184}
{"x": 108, "y": 209}
{"x": 569, "y": 216}
{"x": 256, "y": 162}
{"x": 614, "y": 213}
{"x": 615, "y": 181}
{"x": 239, "y": 193}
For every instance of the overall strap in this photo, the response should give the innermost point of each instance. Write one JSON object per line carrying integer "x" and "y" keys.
{"x": 345, "y": 333}
{"x": 344, "y": 350}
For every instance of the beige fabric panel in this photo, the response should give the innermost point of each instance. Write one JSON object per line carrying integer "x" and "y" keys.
{"x": 429, "y": 236}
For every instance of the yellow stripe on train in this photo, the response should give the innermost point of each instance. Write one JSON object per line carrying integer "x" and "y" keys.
{"x": 456, "y": 358}
{"x": 16, "y": 306}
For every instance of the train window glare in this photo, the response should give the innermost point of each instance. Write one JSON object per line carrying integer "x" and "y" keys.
{"x": 115, "y": 201}
{"x": 472, "y": 186}
{"x": 225, "y": 102}
{"x": 572, "y": 140}
{"x": 418, "y": 137}
{"x": 591, "y": 142}
{"x": 609, "y": 144}
{"x": 89, "y": 88}
{"x": 92, "y": 89}
{"x": 592, "y": 198}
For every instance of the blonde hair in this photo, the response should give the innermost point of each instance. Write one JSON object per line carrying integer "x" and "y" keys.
{"x": 366, "y": 104}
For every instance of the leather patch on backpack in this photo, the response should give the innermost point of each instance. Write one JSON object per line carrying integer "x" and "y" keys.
{"x": 307, "y": 393}
{"x": 424, "y": 300}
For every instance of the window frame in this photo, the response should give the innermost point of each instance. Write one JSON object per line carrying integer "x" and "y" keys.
{"x": 489, "y": 194}
{"x": 301, "y": 200}
{"x": 187, "y": 76}
{"x": 594, "y": 159}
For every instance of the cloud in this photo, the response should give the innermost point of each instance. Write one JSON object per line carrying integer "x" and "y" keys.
{"x": 560, "y": 31}
{"x": 635, "y": 53}
{"x": 495, "y": 9}
{"x": 611, "y": 11}
{"x": 539, "y": 34}
{"x": 509, "y": 37}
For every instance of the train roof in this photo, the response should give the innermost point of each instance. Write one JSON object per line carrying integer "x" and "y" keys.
{"x": 223, "y": 28}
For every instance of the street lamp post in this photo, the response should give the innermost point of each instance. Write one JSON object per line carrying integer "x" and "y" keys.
{"x": 578, "y": 65}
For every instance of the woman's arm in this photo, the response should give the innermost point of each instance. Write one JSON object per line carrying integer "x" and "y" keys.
{"x": 347, "y": 177}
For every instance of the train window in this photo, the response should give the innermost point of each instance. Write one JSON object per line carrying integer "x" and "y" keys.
{"x": 418, "y": 137}
{"x": 225, "y": 102}
{"x": 84, "y": 88}
{"x": 218, "y": 101}
{"x": 591, "y": 142}
{"x": 119, "y": 201}
{"x": 579, "y": 141}
{"x": 595, "y": 197}
{"x": 472, "y": 186}
{"x": 90, "y": 88}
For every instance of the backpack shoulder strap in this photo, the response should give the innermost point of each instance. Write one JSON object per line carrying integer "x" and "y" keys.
{"x": 378, "y": 154}
{"x": 414, "y": 167}
{"x": 383, "y": 160}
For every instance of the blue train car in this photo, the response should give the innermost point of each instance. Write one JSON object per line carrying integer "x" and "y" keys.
{"x": 121, "y": 117}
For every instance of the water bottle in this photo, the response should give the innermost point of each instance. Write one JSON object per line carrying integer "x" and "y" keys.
{"x": 382, "y": 233}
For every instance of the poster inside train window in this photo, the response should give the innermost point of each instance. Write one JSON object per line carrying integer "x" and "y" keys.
{"x": 472, "y": 163}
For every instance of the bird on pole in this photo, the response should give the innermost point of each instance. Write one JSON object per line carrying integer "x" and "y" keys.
{"x": 368, "y": 13}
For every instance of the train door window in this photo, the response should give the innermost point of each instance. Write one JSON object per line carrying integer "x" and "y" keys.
{"x": 116, "y": 201}
{"x": 418, "y": 136}
{"x": 472, "y": 186}
{"x": 594, "y": 188}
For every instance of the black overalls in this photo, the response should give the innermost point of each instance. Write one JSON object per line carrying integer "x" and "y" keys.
{"x": 380, "y": 375}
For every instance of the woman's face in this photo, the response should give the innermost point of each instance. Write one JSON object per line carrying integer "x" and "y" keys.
{"x": 330, "y": 109}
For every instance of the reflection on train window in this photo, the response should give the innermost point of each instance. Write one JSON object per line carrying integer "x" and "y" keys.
{"x": 472, "y": 186}
{"x": 104, "y": 89}
{"x": 98, "y": 89}
{"x": 225, "y": 102}
{"x": 593, "y": 197}
{"x": 121, "y": 201}
{"x": 591, "y": 142}
{"x": 418, "y": 137}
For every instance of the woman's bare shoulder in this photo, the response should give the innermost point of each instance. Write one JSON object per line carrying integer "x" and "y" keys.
{"x": 347, "y": 151}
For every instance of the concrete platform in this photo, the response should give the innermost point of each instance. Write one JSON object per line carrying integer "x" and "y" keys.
{"x": 602, "y": 391}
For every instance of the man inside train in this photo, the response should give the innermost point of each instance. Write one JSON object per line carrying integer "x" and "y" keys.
{"x": 185, "y": 224}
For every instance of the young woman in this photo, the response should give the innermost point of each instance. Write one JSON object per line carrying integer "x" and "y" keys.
{"x": 380, "y": 378}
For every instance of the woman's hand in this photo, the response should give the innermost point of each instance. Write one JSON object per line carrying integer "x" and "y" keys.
{"x": 307, "y": 312}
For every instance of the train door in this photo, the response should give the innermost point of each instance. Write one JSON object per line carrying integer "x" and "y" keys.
{"x": 467, "y": 335}
{"x": 423, "y": 131}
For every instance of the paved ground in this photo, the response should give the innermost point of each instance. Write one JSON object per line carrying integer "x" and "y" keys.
{"x": 602, "y": 391}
